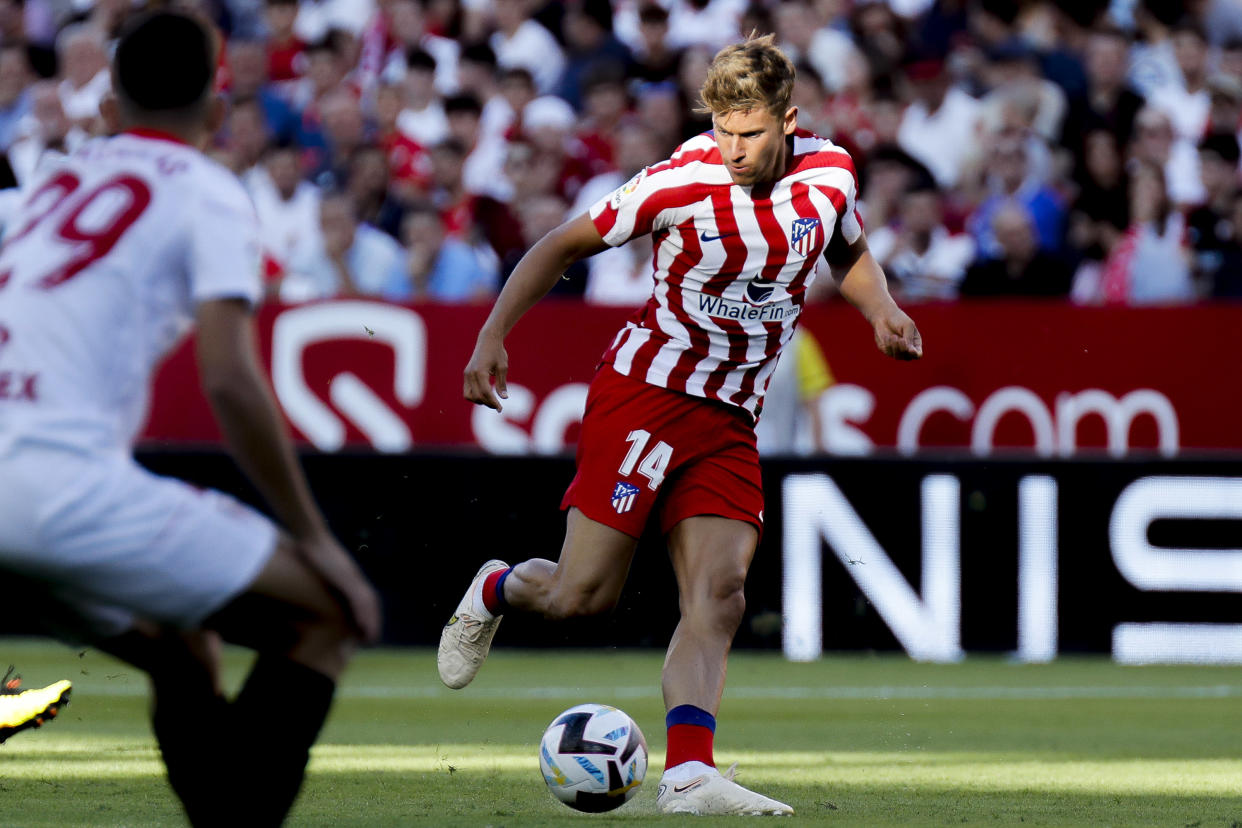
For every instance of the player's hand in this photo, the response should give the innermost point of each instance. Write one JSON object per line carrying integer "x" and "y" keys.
{"x": 329, "y": 559}
{"x": 489, "y": 360}
{"x": 897, "y": 336}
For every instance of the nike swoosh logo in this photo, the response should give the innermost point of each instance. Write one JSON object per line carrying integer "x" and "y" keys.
{"x": 684, "y": 788}
{"x": 704, "y": 237}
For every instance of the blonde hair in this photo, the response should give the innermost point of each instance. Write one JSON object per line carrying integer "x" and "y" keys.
{"x": 753, "y": 74}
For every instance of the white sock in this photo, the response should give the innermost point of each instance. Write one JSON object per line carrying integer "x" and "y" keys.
{"x": 476, "y": 599}
{"x": 686, "y": 770}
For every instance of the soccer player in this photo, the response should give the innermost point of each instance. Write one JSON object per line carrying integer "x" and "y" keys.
{"x": 21, "y": 709}
{"x": 117, "y": 249}
{"x": 738, "y": 219}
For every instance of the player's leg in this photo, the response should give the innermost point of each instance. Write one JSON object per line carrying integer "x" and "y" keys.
{"x": 711, "y": 556}
{"x": 304, "y": 639}
{"x": 586, "y": 580}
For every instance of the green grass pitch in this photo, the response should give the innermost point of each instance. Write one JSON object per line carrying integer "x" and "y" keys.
{"x": 855, "y": 740}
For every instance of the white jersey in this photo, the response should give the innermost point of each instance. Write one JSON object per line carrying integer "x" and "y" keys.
{"x": 731, "y": 264}
{"x": 110, "y": 252}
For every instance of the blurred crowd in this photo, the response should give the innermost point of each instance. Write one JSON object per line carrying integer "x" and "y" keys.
{"x": 414, "y": 149}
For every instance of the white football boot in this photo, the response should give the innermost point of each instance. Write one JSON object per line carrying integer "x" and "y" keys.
{"x": 467, "y": 636}
{"x": 709, "y": 792}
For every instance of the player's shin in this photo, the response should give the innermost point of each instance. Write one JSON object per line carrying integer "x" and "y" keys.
{"x": 275, "y": 720}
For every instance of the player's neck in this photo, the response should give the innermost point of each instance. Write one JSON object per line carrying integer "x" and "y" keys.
{"x": 191, "y": 136}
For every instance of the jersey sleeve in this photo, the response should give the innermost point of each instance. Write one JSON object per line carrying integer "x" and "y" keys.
{"x": 225, "y": 255}
{"x": 649, "y": 201}
{"x": 850, "y": 221}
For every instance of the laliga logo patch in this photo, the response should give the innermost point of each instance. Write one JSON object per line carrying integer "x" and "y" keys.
{"x": 805, "y": 235}
{"x": 627, "y": 188}
{"x": 623, "y": 497}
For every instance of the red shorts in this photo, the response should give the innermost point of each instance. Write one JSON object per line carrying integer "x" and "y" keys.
{"x": 644, "y": 447}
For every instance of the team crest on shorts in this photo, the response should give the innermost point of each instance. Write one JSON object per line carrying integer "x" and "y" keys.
{"x": 805, "y": 235}
{"x": 623, "y": 497}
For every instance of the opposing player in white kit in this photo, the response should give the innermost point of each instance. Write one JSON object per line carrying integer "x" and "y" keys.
{"x": 739, "y": 220}
{"x": 116, "y": 251}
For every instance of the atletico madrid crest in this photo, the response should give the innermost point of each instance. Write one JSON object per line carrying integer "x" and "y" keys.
{"x": 805, "y": 235}
{"x": 623, "y": 497}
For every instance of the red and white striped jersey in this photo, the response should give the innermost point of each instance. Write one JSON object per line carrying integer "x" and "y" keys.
{"x": 731, "y": 264}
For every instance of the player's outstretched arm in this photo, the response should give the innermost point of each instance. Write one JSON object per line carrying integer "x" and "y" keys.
{"x": 861, "y": 280}
{"x": 248, "y": 416}
{"x": 530, "y": 281}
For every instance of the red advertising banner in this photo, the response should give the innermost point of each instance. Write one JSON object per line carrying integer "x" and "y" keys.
{"x": 1020, "y": 377}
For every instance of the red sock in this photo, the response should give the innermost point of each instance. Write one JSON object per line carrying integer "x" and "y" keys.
{"x": 492, "y": 599}
{"x": 689, "y": 743}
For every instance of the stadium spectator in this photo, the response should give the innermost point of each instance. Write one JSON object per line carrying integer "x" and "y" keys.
{"x": 409, "y": 32}
{"x": 83, "y": 59}
{"x": 1153, "y": 60}
{"x": 606, "y": 106}
{"x": 286, "y": 204}
{"x": 812, "y": 100}
{"x": 880, "y": 35}
{"x": 659, "y": 107}
{"x": 1009, "y": 178}
{"x": 286, "y": 58}
{"x": 539, "y": 216}
{"x": 519, "y": 41}
{"x": 316, "y": 19}
{"x": 409, "y": 165}
{"x": 1156, "y": 142}
{"x": 690, "y": 75}
{"x": 1210, "y": 224}
{"x": 1225, "y": 109}
{"x": 344, "y": 130}
{"x": 1108, "y": 101}
{"x": 15, "y": 80}
{"x": 1186, "y": 101}
{"x": 1150, "y": 263}
{"x": 941, "y": 126}
{"x": 591, "y": 49}
{"x": 1100, "y": 209}
{"x": 483, "y": 169}
{"x": 921, "y": 258}
{"x": 548, "y": 123}
{"x": 706, "y": 23}
{"x": 45, "y": 130}
{"x": 655, "y": 59}
{"x": 620, "y": 275}
{"x": 1020, "y": 268}
{"x": 367, "y": 184}
{"x": 1227, "y": 278}
{"x": 422, "y": 117}
{"x": 1017, "y": 85}
{"x": 479, "y": 75}
{"x": 248, "y": 79}
{"x": 437, "y": 267}
{"x": 244, "y": 137}
{"x": 345, "y": 258}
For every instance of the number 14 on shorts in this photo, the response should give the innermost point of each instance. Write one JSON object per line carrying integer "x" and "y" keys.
{"x": 653, "y": 464}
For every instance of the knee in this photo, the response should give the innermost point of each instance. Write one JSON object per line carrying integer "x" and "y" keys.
{"x": 722, "y": 604}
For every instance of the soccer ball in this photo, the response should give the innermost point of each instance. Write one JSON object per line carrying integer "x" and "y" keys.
{"x": 593, "y": 757}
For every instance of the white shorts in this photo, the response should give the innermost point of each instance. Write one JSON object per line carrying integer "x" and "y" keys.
{"x": 114, "y": 542}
